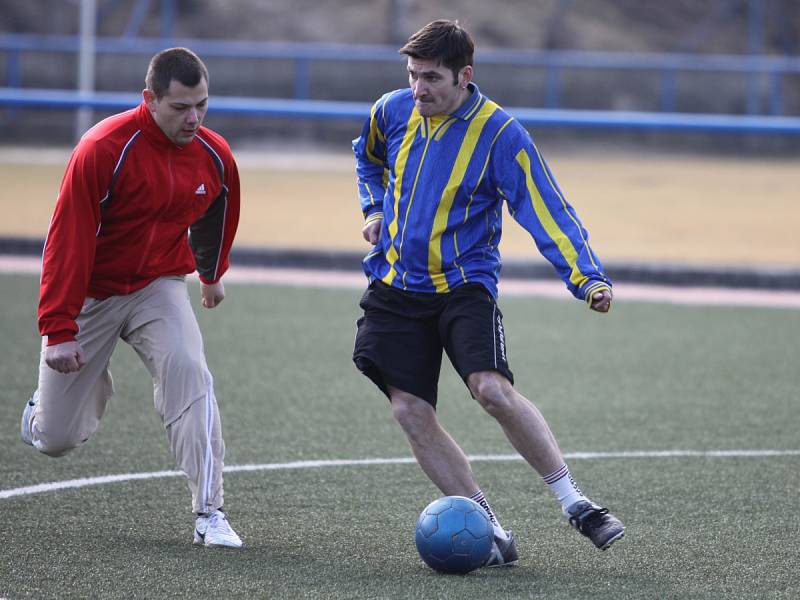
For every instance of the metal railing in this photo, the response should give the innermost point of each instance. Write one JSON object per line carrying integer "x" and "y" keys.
{"x": 326, "y": 109}
{"x": 669, "y": 67}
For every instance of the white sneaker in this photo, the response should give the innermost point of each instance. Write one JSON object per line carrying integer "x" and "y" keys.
{"x": 212, "y": 530}
{"x": 27, "y": 419}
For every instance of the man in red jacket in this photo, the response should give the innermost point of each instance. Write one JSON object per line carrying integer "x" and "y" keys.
{"x": 149, "y": 196}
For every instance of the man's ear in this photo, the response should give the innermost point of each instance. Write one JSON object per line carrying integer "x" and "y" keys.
{"x": 465, "y": 76}
{"x": 149, "y": 98}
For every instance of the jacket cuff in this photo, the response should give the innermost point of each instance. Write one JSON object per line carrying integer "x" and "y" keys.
{"x": 374, "y": 216}
{"x": 593, "y": 287}
{"x": 372, "y": 213}
{"x": 60, "y": 337}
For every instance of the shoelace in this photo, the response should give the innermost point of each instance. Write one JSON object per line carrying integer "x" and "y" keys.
{"x": 219, "y": 521}
{"x": 587, "y": 517}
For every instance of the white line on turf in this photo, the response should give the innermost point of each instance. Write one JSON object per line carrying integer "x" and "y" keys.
{"x": 316, "y": 464}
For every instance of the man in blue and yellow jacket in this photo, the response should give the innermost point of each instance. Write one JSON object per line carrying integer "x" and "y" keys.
{"x": 435, "y": 162}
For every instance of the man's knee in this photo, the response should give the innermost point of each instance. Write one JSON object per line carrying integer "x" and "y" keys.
{"x": 411, "y": 412}
{"x": 180, "y": 360}
{"x": 492, "y": 390}
{"x": 184, "y": 374}
{"x": 55, "y": 445}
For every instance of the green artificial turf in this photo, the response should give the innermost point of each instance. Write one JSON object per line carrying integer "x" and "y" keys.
{"x": 645, "y": 378}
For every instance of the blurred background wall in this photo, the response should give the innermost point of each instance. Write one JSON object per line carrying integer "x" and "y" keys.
{"x": 679, "y": 56}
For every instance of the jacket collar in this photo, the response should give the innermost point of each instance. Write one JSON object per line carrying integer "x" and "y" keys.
{"x": 152, "y": 131}
{"x": 467, "y": 110}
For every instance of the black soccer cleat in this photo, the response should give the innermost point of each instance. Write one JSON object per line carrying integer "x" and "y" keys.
{"x": 504, "y": 552}
{"x": 596, "y": 523}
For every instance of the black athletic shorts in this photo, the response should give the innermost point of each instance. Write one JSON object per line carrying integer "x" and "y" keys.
{"x": 401, "y": 336}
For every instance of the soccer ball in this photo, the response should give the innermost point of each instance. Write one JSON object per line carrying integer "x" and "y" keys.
{"x": 454, "y": 535}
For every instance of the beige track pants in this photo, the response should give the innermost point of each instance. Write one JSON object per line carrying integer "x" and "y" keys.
{"x": 159, "y": 323}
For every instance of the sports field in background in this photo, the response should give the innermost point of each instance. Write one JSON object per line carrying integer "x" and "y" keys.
{"x": 641, "y": 399}
{"x": 638, "y": 206}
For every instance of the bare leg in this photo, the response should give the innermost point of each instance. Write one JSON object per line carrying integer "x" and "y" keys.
{"x": 530, "y": 435}
{"x": 521, "y": 421}
{"x": 440, "y": 458}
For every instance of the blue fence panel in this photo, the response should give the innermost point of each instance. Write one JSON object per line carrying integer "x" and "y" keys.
{"x": 554, "y": 63}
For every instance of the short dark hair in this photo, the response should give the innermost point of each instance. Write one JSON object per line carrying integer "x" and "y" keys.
{"x": 180, "y": 64}
{"x": 444, "y": 41}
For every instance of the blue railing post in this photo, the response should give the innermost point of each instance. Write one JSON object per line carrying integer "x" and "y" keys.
{"x": 776, "y": 93}
{"x": 666, "y": 101}
{"x": 14, "y": 74}
{"x": 136, "y": 20}
{"x": 302, "y": 78}
{"x": 169, "y": 15}
{"x": 755, "y": 35}
{"x": 552, "y": 86}
{"x": 753, "y": 93}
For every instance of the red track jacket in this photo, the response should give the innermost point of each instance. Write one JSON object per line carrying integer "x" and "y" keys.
{"x": 133, "y": 206}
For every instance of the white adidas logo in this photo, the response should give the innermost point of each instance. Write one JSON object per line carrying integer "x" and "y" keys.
{"x": 201, "y": 190}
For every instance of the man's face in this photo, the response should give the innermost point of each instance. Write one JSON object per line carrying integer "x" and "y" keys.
{"x": 180, "y": 112}
{"x": 435, "y": 92}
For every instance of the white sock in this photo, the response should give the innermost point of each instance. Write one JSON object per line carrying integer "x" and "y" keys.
{"x": 564, "y": 487}
{"x": 481, "y": 499}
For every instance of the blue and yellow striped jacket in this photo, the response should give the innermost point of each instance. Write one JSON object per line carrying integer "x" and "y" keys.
{"x": 439, "y": 184}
